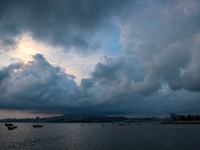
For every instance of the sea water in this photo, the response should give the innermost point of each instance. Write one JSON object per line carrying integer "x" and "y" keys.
{"x": 97, "y": 136}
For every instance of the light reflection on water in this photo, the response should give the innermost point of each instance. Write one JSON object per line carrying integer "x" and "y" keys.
{"x": 73, "y": 136}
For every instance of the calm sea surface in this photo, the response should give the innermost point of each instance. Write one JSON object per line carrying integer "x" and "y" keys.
{"x": 73, "y": 136}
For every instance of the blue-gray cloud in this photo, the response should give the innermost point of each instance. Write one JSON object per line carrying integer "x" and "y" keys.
{"x": 60, "y": 23}
{"x": 162, "y": 37}
{"x": 40, "y": 86}
{"x": 158, "y": 73}
{"x": 35, "y": 85}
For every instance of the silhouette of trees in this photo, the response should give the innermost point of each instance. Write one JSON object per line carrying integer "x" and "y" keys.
{"x": 189, "y": 117}
{"x": 186, "y": 118}
{"x": 182, "y": 117}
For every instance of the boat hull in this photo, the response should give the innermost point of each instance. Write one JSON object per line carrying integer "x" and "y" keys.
{"x": 9, "y": 124}
{"x": 37, "y": 126}
{"x": 11, "y": 127}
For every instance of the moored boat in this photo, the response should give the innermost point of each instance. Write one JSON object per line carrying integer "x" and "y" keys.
{"x": 37, "y": 126}
{"x": 11, "y": 127}
{"x": 121, "y": 124}
{"x": 9, "y": 124}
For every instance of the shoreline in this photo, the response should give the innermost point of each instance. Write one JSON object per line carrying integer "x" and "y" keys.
{"x": 181, "y": 122}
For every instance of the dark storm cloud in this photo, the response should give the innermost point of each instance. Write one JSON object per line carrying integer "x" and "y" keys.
{"x": 115, "y": 91}
{"x": 40, "y": 86}
{"x": 163, "y": 38}
{"x": 5, "y": 72}
{"x": 35, "y": 85}
{"x": 61, "y": 23}
{"x": 158, "y": 73}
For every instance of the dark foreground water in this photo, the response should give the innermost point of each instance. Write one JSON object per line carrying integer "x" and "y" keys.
{"x": 68, "y": 136}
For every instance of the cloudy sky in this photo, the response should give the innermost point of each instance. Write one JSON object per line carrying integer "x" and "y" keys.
{"x": 99, "y": 57}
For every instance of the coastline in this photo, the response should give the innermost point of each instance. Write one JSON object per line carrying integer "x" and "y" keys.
{"x": 181, "y": 122}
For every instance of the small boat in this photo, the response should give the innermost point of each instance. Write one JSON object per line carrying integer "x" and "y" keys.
{"x": 37, "y": 126}
{"x": 11, "y": 127}
{"x": 15, "y": 127}
{"x": 8, "y": 124}
{"x": 121, "y": 124}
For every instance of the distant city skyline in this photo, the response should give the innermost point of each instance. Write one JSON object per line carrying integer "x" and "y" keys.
{"x": 129, "y": 58}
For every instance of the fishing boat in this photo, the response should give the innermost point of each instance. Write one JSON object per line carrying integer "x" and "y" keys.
{"x": 9, "y": 124}
{"x": 121, "y": 124}
{"x": 37, "y": 126}
{"x": 11, "y": 127}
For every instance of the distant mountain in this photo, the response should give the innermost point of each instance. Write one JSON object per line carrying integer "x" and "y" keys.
{"x": 67, "y": 118}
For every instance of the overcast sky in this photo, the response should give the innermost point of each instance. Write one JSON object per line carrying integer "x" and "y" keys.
{"x": 99, "y": 57}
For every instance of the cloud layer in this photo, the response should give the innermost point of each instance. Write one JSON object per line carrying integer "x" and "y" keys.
{"x": 38, "y": 85}
{"x": 70, "y": 24}
{"x": 158, "y": 72}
